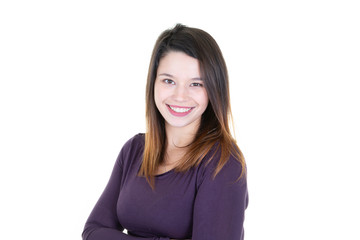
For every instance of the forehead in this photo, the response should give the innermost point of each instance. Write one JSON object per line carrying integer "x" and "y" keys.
{"x": 179, "y": 64}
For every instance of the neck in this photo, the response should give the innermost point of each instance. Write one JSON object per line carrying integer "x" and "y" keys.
{"x": 178, "y": 137}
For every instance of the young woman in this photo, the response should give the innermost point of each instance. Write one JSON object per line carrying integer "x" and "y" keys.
{"x": 185, "y": 178}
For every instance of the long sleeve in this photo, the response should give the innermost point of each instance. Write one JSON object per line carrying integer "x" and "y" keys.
{"x": 103, "y": 223}
{"x": 220, "y": 205}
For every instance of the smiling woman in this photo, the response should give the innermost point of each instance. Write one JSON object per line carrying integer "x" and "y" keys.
{"x": 185, "y": 177}
{"x": 179, "y": 96}
{"x": 181, "y": 99}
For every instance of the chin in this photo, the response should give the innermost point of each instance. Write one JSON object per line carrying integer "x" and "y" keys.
{"x": 182, "y": 124}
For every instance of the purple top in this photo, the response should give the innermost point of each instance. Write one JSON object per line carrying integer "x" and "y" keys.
{"x": 182, "y": 205}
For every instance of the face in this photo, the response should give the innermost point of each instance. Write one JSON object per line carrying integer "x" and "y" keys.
{"x": 180, "y": 95}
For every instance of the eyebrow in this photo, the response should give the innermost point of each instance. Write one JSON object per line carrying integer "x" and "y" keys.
{"x": 165, "y": 74}
{"x": 169, "y": 75}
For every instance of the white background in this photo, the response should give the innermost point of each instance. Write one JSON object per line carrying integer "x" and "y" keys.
{"x": 72, "y": 92}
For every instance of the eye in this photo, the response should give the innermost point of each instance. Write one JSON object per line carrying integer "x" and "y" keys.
{"x": 168, "y": 81}
{"x": 197, "y": 84}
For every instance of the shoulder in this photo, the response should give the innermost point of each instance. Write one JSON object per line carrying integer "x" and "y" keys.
{"x": 226, "y": 187}
{"x": 229, "y": 173}
{"x": 132, "y": 148}
{"x": 136, "y": 141}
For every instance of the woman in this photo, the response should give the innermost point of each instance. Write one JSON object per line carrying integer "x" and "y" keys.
{"x": 185, "y": 178}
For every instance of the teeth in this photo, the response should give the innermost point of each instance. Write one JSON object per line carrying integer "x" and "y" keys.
{"x": 180, "y": 110}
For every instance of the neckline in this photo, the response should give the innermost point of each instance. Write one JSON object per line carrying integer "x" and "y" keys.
{"x": 161, "y": 175}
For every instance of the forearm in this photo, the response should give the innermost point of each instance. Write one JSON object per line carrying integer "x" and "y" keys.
{"x": 113, "y": 234}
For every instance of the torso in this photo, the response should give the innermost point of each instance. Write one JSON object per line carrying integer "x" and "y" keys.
{"x": 166, "y": 209}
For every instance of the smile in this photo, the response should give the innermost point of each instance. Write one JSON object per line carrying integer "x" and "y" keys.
{"x": 179, "y": 111}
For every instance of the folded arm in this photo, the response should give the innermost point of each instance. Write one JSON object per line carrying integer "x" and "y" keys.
{"x": 220, "y": 205}
{"x": 103, "y": 223}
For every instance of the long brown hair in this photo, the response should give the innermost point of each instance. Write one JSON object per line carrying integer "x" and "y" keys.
{"x": 214, "y": 127}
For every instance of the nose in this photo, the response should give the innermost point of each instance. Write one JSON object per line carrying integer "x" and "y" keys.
{"x": 180, "y": 93}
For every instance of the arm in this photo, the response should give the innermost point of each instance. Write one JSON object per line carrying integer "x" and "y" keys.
{"x": 220, "y": 205}
{"x": 103, "y": 223}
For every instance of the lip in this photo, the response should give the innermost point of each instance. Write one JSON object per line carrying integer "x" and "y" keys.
{"x": 179, "y": 114}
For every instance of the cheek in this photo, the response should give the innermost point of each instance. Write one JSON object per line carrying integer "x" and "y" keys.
{"x": 159, "y": 95}
{"x": 203, "y": 99}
